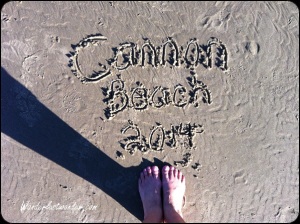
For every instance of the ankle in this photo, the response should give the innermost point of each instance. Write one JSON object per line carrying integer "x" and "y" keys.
{"x": 172, "y": 215}
{"x": 172, "y": 207}
{"x": 170, "y": 211}
{"x": 153, "y": 217}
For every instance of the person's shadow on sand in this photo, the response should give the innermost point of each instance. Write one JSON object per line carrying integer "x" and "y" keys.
{"x": 52, "y": 138}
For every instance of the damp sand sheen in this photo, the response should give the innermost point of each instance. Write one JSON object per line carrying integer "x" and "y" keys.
{"x": 93, "y": 92}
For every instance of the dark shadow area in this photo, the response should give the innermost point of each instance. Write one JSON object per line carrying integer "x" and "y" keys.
{"x": 52, "y": 138}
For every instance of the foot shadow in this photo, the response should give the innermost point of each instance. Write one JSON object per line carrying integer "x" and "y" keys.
{"x": 39, "y": 129}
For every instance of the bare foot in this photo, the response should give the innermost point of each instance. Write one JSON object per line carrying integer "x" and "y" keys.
{"x": 173, "y": 183}
{"x": 150, "y": 192}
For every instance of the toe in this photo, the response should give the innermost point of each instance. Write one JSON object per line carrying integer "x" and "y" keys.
{"x": 155, "y": 171}
{"x": 149, "y": 171}
{"x": 145, "y": 173}
{"x": 171, "y": 172}
{"x": 183, "y": 179}
{"x": 165, "y": 172}
{"x": 179, "y": 175}
{"x": 175, "y": 172}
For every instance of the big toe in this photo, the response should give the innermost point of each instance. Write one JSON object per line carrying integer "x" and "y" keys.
{"x": 165, "y": 172}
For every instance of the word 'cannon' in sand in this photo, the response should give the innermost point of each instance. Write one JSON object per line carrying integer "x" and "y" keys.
{"x": 214, "y": 54}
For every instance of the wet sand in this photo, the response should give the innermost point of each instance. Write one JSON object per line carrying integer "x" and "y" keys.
{"x": 93, "y": 92}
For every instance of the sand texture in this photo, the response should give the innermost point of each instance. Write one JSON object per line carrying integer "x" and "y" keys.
{"x": 93, "y": 92}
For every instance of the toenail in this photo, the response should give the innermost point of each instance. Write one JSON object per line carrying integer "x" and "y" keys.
{"x": 155, "y": 168}
{"x": 166, "y": 168}
{"x": 149, "y": 169}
